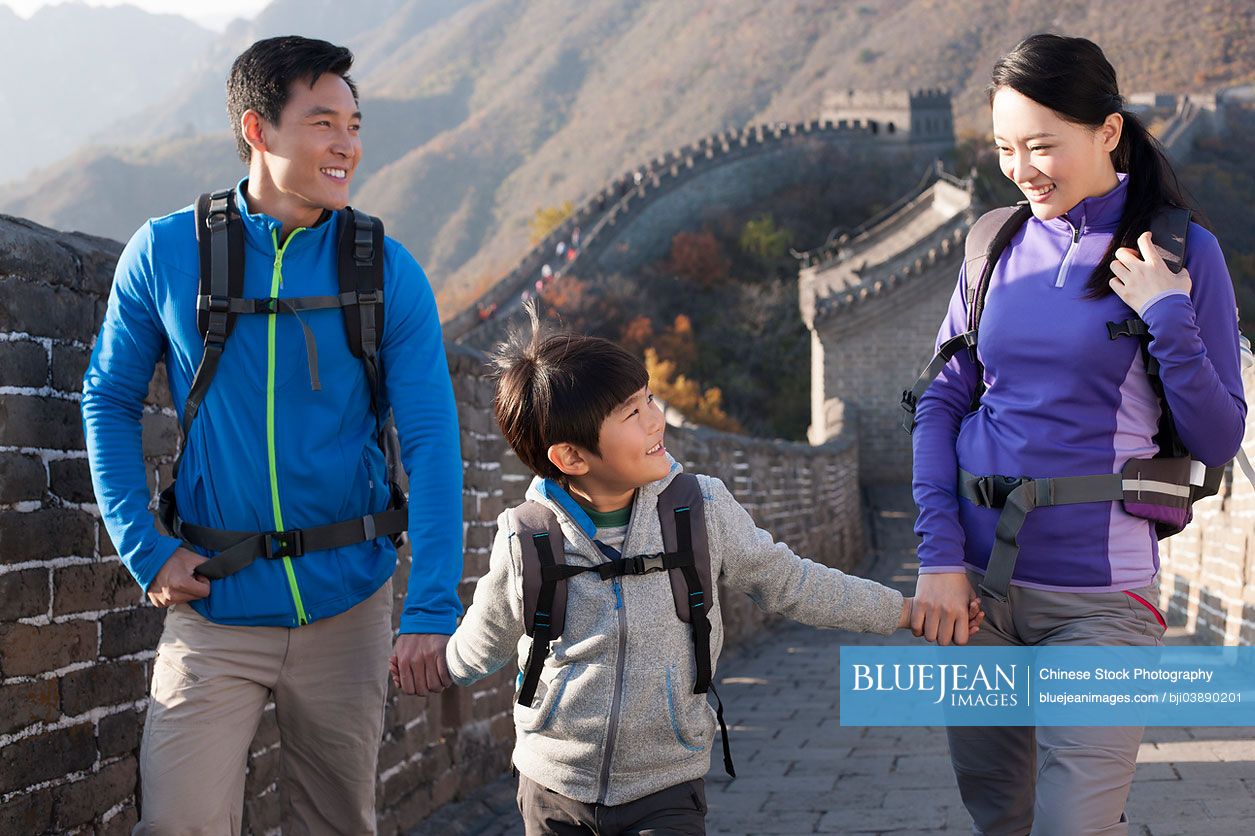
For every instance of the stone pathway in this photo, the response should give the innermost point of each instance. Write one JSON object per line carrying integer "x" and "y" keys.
{"x": 801, "y": 772}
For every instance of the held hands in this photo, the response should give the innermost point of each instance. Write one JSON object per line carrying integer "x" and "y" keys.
{"x": 945, "y": 609}
{"x": 418, "y": 665}
{"x": 177, "y": 581}
{"x": 1137, "y": 280}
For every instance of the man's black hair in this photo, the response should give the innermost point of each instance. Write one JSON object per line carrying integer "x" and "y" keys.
{"x": 559, "y": 388}
{"x": 262, "y": 77}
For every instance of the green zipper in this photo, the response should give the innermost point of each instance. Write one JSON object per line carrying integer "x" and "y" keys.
{"x": 276, "y": 282}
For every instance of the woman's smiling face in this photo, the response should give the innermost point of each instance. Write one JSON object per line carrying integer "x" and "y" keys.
{"x": 1054, "y": 162}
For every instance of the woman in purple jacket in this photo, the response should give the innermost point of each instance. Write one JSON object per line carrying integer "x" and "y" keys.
{"x": 1062, "y": 398}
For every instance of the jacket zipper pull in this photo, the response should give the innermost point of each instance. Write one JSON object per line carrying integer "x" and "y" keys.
{"x": 1076, "y": 237}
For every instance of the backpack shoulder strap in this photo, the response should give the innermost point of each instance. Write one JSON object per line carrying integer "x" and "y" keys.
{"x": 1169, "y": 229}
{"x": 544, "y": 599}
{"x": 681, "y": 514}
{"x": 982, "y": 248}
{"x": 984, "y": 244}
{"x": 220, "y": 241}
{"x": 361, "y": 256}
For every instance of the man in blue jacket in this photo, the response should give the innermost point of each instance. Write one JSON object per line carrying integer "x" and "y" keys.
{"x": 284, "y": 440}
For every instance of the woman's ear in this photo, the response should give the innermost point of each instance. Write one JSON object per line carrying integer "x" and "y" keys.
{"x": 1110, "y": 131}
{"x": 567, "y": 458}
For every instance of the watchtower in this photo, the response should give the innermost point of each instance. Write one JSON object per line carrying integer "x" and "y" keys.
{"x": 923, "y": 116}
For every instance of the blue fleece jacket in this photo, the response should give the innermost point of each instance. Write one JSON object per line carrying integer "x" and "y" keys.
{"x": 267, "y": 452}
{"x": 1063, "y": 399}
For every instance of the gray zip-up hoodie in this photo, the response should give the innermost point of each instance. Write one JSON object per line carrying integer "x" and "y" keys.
{"x": 615, "y": 717}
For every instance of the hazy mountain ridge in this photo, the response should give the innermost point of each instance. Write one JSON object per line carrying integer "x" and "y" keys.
{"x": 70, "y": 69}
{"x": 493, "y": 108}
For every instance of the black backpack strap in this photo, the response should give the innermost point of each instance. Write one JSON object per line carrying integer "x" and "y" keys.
{"x": 982, "y": 248}
{"x": 220, "y": 240}
{"x": 681, "y": 515}
{"x": 544, "y": 594}
{"x": 1169, "y": 229}
{"x": 361, "y": 255}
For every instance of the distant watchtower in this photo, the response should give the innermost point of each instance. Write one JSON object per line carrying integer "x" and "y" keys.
{"x": 922, "y": 117}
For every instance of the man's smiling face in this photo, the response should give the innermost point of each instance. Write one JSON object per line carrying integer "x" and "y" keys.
{"x": 312, "y": 152}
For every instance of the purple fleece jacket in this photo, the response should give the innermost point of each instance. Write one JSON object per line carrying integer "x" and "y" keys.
{"x": 1065, "y": 400}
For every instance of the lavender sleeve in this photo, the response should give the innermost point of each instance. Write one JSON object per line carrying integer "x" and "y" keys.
{"x": 937, "y": 418}
{"x": 1195, "y": 340}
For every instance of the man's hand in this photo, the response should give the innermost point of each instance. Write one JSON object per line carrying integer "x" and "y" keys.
{"x": 418, "y": 665}
{"x": 177, "y": 582}
{"x": 1138, "y": 279}
{"x": 943, "y": 609}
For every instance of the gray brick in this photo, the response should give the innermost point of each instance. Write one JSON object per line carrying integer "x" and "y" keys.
{"x": 22, "y": 478}
{"x": 28, "y": 421}
{"x": 25, "y": 363}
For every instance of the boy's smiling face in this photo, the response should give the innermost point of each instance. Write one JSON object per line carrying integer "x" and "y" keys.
{"x": 632, "y": 452}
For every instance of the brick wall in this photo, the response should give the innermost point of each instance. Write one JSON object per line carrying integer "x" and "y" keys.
{"x": 868, "y": 355}
{"x": 1207, "y": 582}
{"x": 77, "y": 638}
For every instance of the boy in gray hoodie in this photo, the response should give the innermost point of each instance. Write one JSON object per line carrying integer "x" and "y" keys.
{"x": 615, "y": 740}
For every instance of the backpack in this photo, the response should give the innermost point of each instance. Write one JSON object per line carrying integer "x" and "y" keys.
{"x": 686, "y": 560}
{"x": 220, "y": 240}
{"x": 1161, "y": 489}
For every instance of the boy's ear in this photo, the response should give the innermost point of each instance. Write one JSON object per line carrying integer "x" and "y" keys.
{"x": 568, "y": 458}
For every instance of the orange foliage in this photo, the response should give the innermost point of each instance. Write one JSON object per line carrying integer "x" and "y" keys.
{"x": 698, "y": 256}
{"x": 679, "y": 392}
{"x": 637, "y": 334}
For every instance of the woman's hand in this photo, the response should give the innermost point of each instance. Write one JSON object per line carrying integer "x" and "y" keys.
{"x": 945, "y": 609}
{"x": 1138, "y": 279}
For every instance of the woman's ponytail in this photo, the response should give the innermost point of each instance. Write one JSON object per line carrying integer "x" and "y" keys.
{"x": 1152, "y": 186}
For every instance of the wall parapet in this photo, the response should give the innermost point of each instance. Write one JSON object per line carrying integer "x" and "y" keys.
{"x": 77, "y": 637}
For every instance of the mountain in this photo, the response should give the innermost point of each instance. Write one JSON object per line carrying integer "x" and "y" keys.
{"x": 72, "y": 68}
{"x": 479, "y": 112}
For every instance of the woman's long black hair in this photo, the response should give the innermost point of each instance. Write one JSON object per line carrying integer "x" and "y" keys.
{"x": 1072, "y": 77}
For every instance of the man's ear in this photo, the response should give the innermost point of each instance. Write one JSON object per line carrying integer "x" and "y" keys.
{"x": 252, "y": 126}
{"x": 568, "y": 458}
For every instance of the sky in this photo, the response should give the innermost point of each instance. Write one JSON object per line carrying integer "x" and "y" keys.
{"x": 215, "y": 15}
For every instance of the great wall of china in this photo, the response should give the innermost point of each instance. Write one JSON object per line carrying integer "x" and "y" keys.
{"x": 77, "y": 639}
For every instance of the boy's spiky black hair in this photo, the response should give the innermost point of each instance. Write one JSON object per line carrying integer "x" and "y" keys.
{"x": 559, "y": 388}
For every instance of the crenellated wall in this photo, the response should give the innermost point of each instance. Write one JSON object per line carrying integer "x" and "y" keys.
{"x": 633, "y": 218}
{"x": 873, "y": 303}
{"x": 77, "y": 637}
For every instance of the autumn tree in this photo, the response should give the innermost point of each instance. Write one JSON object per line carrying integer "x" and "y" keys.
{"x": 548, "y": 218}
{"x": 703, "y": 407}
{"x": 698, "y": 256}
{"x": 761, "y": 237}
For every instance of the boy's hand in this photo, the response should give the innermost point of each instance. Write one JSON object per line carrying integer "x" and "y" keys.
{"x": 904, "y": 620}
{"x": 975, "y": 615}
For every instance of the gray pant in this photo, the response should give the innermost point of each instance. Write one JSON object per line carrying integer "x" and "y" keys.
{"x": 1053, "y": 780}
{"x": 675, "y": 811}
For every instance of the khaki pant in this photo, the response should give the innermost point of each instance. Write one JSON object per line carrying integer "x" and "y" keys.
{"x": 210, "y": 686}
{"x": 675, "y": 811}
{"x": 1053, "y": 780}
